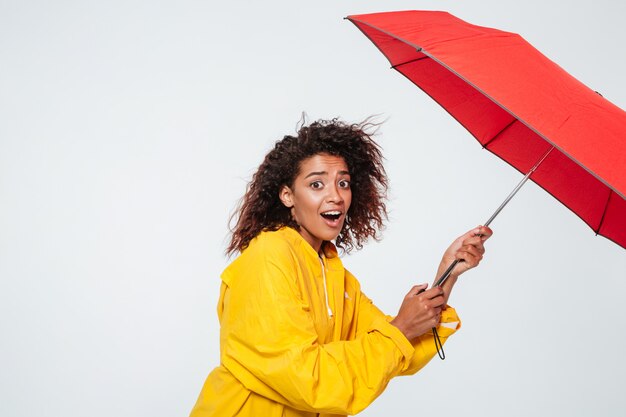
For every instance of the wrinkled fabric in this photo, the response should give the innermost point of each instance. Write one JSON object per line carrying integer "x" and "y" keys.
{"x": 283, "y": 355}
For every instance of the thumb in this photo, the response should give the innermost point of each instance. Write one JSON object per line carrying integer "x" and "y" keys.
{"x": 475, "y": 231}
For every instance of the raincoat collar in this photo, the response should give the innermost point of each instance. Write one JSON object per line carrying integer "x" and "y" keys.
{"x": 328, "y": 248}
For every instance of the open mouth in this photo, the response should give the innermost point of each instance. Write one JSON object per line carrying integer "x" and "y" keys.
{"x": 332, "y": 215}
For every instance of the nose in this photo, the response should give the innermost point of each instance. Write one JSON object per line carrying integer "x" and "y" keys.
{"x": 334, "y": 196}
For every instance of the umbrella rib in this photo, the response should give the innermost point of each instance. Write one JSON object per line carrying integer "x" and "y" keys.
{"x": 606, "y": 206}
{"x": 525, "y": 124}
{"x": 499, "y": 133}
{"x": 411, "y": 61}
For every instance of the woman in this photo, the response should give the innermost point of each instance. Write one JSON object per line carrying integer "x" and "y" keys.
{"x": 298, "y": 337}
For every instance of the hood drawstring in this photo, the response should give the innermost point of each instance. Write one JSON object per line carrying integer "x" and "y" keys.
{"x": 330, "y": 311}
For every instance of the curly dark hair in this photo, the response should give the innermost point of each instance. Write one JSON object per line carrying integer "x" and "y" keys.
{"x": 260, "y": 208}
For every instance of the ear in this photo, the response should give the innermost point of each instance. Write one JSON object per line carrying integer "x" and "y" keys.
{"x": 286, "y": 196}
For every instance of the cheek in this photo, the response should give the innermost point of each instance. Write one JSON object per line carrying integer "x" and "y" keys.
{"x": 308, "y": 201}
{"x": 347, "y": 198}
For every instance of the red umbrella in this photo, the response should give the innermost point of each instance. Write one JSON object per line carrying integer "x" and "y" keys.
{"x": 519, "y": 105}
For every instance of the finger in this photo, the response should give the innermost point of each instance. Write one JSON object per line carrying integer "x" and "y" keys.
{"x": 476, "y": 240}
{"x": 469, "y": 234}
{"x": 418, "y": 289}
{"x": 432, "y": 293}
{"x": 469, "y": 255}
{"x": 434, "y": 317}
{"x": 433, "y": 311}
{"x": 481, "y": 232}
{"x": 484, "y": 232}
{"x": 436, "y": 303}
{"x": 436, "y": 321}
{"x": 433, "y": 299}
{"x": 469, "y": 260}
{"x": 476, "y": 251}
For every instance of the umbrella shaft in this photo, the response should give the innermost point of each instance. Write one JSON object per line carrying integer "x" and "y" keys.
{"x": 510, "y": 196}
{"x": 517, "y": 188}
{"x": 443, "y": 278}
{"x": 448, "y": 271}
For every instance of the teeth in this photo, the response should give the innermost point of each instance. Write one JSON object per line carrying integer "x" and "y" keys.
{"x": 332, "y": 213}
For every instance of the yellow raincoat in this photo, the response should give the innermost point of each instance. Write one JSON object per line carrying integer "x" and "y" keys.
{"x": 284, "y": 355}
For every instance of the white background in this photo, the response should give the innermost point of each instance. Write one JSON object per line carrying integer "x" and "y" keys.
{"x": 129, "y": 129}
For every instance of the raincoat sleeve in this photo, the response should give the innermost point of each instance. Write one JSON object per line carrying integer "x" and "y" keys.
{"x": 424, "y": 347}
{"x": 270, "y": 345}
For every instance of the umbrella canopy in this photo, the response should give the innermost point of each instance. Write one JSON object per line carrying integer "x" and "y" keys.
{"x": 518, "y": 104}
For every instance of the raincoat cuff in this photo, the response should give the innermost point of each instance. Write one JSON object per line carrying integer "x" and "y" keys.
{"x": 449, "y": 323}
{"x": 397, "y": 337}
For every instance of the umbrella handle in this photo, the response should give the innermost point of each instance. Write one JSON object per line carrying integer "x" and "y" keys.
{"x": 438, "y": 344}
{"x": 438, "y": 283}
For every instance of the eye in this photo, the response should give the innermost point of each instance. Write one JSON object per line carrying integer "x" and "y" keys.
{"x": 344, "y": 184}
{"x": 316, "y": 185}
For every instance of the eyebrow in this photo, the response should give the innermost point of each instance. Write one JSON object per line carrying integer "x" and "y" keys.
{"x": 314, "y": 173}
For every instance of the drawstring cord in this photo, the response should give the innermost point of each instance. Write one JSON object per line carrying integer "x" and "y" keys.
{"x": 438, "y": 344}
{"x": 330, "y": 311}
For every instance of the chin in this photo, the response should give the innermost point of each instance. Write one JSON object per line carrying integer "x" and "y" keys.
{"x": 331, "y": 236}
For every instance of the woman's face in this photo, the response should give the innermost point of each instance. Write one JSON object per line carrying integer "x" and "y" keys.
{"x": 319, "y": 198}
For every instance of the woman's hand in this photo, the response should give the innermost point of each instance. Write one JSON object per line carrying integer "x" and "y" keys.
{"x": 469, "y": 250}
{"x": 420, "y": 311}
{"x": 421, "y": 308}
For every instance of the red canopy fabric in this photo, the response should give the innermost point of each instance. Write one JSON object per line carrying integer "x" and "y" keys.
{"x": 517, "y": 104}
